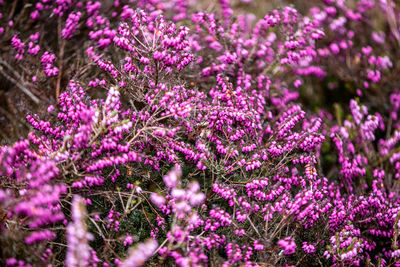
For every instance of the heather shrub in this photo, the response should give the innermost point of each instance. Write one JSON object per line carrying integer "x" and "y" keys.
{"x": 168, "y": 133}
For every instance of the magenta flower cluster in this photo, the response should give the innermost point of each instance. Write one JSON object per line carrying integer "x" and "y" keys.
{"x": 181, "y": 135}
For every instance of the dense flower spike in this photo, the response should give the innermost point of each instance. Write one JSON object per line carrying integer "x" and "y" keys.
{"x": 34, "y": 195}
{"x": 78, "y": 253}
{"x": 139, "y": 255}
